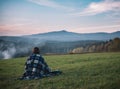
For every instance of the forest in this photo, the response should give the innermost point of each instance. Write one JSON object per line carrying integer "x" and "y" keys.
{"x": 107, "y": 46}
{"x": 18, "y": 48}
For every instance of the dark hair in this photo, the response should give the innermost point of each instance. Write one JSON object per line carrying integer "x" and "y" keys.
{"x": 36, "y": 50}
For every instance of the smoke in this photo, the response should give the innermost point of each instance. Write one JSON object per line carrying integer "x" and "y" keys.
{"x": 12, "y": 48}
{"x": 9, "y": 53}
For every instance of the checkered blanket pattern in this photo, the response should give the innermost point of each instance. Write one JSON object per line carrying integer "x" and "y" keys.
{"x": 35, "y": 67}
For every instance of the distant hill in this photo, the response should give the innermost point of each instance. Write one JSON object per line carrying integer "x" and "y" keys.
{"x": 71, "y": 36}
{"x": 51, "y": 42}
{"x": 64, "y": 35}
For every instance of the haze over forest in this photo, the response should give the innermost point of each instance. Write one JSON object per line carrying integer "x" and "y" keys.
{"x": 56, "y": 42}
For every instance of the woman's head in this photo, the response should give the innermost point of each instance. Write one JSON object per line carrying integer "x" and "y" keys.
{"x": 36, "y": 50}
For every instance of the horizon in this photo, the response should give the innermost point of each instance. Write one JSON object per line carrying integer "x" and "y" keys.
{"x": 61, "y": 31}
{"x": 26, "y": 17}
{"x": 74, "y": 32}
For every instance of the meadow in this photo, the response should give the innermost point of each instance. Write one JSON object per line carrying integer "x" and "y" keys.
{"x": 80, "y": 71}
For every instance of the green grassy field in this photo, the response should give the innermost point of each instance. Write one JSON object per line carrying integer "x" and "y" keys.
{"x": 80, "y": 71}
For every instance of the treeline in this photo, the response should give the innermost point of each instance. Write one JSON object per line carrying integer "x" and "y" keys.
{"x": 19, "y": 47}
{"x": 108, "y": 46}
{"x": 62, "y": 47}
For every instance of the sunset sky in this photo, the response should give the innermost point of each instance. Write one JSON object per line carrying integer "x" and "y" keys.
{"x": 22, "y": 17}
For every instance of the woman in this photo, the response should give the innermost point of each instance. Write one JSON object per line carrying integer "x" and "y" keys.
{"x": 35, "y": 66}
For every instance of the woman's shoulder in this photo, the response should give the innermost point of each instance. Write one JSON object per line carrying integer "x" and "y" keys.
{"x": 38, "y": 55}
{"x": 34, "y": 55}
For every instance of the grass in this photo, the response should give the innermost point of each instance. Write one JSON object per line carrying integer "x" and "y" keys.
{"x": 80, "y": 71}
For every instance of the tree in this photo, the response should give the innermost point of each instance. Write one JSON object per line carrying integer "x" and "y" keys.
{"x": 78, "y": 50}
{"x": 115, "y": 45}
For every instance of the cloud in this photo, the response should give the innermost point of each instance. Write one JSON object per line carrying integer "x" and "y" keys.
{"x": 98, "y": 28}
{"x": 15, "y": 29}
{"x": 95, "y": 8}
{"x": 50, "y": 3}
{"x": 103, "y": 27}
{"x": 19, "y": 29}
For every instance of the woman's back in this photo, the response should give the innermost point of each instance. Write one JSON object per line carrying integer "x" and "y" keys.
{"x": 36, "y": 67}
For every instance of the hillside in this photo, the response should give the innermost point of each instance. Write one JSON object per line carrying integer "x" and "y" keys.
{"x": 85, "y": 71}
{"x": 64, "y": 35}
{"x": 59, "y": 42}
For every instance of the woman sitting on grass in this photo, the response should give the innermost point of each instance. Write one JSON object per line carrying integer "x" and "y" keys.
{"x": 36, "y": 67}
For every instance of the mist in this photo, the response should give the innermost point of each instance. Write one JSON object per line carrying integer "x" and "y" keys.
{"x": 52, "y": 42}
{"x": 9, "y": 53}
{"x": 12, "y": 47}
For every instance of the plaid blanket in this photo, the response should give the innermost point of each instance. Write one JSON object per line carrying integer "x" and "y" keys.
{"x": 36, "y": 67}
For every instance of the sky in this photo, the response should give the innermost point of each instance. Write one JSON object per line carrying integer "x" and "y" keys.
{"x": 23, "y": 17}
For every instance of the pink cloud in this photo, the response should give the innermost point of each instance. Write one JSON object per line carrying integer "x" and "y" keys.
{"x": 18, "y": 29}
{"x": 98, "y": 28}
